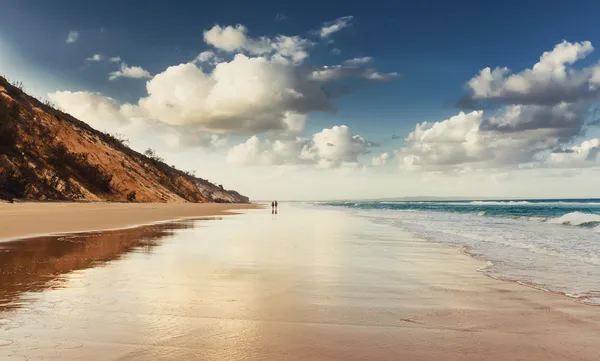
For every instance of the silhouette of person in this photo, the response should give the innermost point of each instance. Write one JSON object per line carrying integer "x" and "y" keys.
{"x": 272, "y": 207}
{"x": 275, "y": 207}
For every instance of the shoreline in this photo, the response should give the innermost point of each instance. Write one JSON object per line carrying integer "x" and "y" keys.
{"x": 25, "y": 220}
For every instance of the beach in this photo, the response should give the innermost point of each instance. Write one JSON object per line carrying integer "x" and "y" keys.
{"x": 308, "y": 283}
{"x": 18, "y": 220}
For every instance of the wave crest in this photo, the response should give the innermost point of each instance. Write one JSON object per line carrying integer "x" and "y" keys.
{"x": 587, "y": 220}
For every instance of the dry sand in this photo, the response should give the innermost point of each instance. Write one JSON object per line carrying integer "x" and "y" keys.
{"x": 300, "y": 285}
{"x": 19, "y": 220}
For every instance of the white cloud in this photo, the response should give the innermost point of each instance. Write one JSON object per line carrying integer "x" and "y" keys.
{"x": 135, "y": 72}
{"x": 551, "y": 80}
{"x": 72, "y": 37}
{"x": 232, "y": 39}
{"x": 207, "y": 56}
{"x": 261, "y": 88}
{"x": 177, "y": 138}
{"x": 336, "y": 51}
{"x": 358, "y": 61}
{"x": 515, "y": 136}
{"x": 95, "y": 58}
{"x": 331, "y": 148}
{"x": 107, "y": 115}
{"x": 334, "y": 26}
{"x": 585, "y": 154}
{"x": 100, "y": 112}
{"x": 382, "y": 159}
{"x": 246, "y": 95}
{"x": 374, "y": 75}
{"x": 329, "y": 73}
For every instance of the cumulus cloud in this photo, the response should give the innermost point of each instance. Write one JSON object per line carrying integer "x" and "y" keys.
{"x": 72, "y": 37}
{"x": 246, "y": 95}
{"x": 382, "y": 159}
{"x": 542, "y": 110}
{"x": 515, "y": 135}
{"x": 334, "y": 26}
{"x": 126, "y": 71}
{"x": 585, "y": 154}
{"x": 550, "y": 81}
{"x": 181, "y": 138}
{"x": 107, "y": 115}
{"x": 235, "y": 38}
{"x": 241, "y": 86}
{"x": 330, "y": 148}
{"x": 100, "y": 112}
{"x": 207, "y": 56}
{"x": 95, "y": 58}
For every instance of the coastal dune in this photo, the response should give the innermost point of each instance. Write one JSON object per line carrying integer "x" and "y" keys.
{"x": 19, "y": 220}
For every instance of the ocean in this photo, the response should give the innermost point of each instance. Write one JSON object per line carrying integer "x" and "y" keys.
{"x": 550, "y": 244}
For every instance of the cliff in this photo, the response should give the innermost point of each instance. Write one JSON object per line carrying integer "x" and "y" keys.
{"x": 46, "y": 154}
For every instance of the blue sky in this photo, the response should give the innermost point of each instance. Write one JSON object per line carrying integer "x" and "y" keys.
{"x": 435, "y": 46}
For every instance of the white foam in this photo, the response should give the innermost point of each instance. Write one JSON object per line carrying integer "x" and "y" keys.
{"x": 575, "y": 218}
{"x": 543, "y": 254}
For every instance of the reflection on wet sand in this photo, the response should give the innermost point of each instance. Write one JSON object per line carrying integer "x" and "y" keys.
{"x": 37, "y": 264}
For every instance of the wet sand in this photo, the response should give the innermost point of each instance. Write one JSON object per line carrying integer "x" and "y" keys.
{"x": 301, "y": 285}
{"x": 20, "y": 220}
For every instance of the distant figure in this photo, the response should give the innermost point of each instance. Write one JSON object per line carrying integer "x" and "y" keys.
{"x": 275, "y": 207}
{"x": 272, "y": 207}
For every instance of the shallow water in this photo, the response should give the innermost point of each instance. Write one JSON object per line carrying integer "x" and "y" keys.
{"x": 550, "y": 244}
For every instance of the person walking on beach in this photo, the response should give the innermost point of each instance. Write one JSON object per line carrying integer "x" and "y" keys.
{"x": 272, "y": 207}
{"x": 275, "y": 207}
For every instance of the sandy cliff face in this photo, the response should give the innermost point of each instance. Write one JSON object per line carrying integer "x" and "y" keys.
{"x": 46, "y": 154}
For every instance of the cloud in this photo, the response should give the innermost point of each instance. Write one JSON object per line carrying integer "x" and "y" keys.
{"x": 107, "y": 115}
{"x": 247, "y": 95}
{"x": 72, "y": 37}
{"x": 235, "y": 39}
{"x": 241, "y": 86}
{"x": 516, "y": 135}
{"x": 382, "y": 159}
{"x": 331, "y": 148}
{"x": 550, "y": 81}
{"x": 336, "y": 51}
{"x": 95, "y": 58}
{"x": 125, "y": 71}
{"x": 585, "y": 154}
{"x": 187, "y": 137}
{"x": 100, "y": 112}
{"x": 336, "y": 72}
{"x": 207, "y": 56}
{"x": 280, "y": 17}
{"x": 358, "y": 61}
{"x": 334, "y": 26}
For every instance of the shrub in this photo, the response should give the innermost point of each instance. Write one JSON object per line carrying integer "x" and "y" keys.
{"x": 151, "y": 153}
{"x": 116, "y": 138}
{"x": 131, "y": 196}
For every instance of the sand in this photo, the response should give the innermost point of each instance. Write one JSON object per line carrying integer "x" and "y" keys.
{"x": 306, "y": 284}
{"x": 19, "y": 220}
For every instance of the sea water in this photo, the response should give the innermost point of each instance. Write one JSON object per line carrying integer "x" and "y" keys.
{"x": 553, "y": 244}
